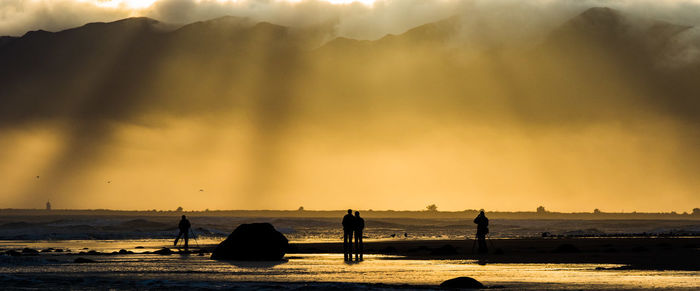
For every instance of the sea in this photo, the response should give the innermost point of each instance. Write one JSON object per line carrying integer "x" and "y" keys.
{"x": 136, "y": 270}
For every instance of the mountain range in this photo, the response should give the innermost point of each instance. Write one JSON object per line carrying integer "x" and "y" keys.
{"x": 600, "y": 64}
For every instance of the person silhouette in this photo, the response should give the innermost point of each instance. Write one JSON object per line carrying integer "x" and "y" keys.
{"x": 348, "y": 228}
{"x": 184, "y": 227}
{"x": 359, "y": 226}
{"x": 482, "y": 228}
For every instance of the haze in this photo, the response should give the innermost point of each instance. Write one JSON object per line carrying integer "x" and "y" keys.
{"x": 501, "y": 105}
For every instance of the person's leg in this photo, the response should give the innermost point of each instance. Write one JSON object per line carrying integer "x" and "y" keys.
{"x": 482, "y": 244}
{"x": 357, "y": 247}
{"x": 360, "y": 248}
{"x": 177, "y": 238}
{"x": 187, "y": 241}
{"x": 346, "y": 243}
{"x": 350, "y": 246}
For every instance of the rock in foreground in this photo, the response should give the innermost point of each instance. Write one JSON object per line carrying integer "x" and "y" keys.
{"x": 462, "y": 283}
{"x": 252, "y": 242}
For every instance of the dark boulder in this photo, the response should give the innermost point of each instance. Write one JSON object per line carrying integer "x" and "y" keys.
{"x": 462, "y": 283}
{"x": 252, "y": 242}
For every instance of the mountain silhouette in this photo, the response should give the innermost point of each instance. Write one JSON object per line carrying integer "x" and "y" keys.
{"x": 592, "y": 66}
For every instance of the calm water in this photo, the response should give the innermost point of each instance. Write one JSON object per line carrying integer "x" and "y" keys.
{"x": 184, "y": 271}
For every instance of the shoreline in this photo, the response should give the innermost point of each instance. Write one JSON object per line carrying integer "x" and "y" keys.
{"x": 634, "y": 253}
{"x": 662, "y": 253}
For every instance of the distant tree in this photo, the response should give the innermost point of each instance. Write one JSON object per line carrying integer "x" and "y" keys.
{"x": 696, "y": 211}
{"x": 301, "y": 208}
{"x": 541, "y": 210}
{"x": 431, "y": 207}
{"x": 179, "y": 209}
{"x": 596, "y": 211}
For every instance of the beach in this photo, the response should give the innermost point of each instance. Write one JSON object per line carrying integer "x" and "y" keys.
{"x": 124, "y": 252}
{"x": 513, "y": 264}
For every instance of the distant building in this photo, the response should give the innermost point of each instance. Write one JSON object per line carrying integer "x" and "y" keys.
{"x": 48, "y": 205}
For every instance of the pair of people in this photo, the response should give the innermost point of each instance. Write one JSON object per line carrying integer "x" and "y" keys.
{"x": 353, "y": 226}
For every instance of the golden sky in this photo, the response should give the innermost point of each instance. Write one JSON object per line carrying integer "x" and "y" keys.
{"x": 492, "y": 119}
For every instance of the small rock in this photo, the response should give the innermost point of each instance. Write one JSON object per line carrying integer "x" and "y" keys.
{"x": 638, "y": 249}
{"x": 566, "y": 248}
{"x": 123, "y": 251}
{"x": 29, "y": 251}
{"x": 83, "y": 260}
{"x": 163, "y": 251}
{"x": 462, "y": 283}
{"x": 444, "y": 251}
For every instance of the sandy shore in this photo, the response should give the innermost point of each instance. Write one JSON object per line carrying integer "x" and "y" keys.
{"x": 637, "y": 253}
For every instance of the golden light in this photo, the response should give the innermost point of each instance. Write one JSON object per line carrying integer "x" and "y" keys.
{"x": 142, "y": 4}
{"x": 129, "y": 4}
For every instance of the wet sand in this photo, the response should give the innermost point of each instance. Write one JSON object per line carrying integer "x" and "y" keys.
{"x": 636, "y": 253}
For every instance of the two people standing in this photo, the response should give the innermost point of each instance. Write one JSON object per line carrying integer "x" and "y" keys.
{"x": 353, "y": 226}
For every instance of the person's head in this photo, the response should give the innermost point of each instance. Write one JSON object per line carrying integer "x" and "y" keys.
{"x": 183, "y": 217}
{"x": 481, "y": 211}
{"x": 357, "y": 213}
{"x": 350, "y": 211}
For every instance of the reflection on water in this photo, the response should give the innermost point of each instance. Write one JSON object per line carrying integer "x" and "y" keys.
{"x": 332, "y": 268}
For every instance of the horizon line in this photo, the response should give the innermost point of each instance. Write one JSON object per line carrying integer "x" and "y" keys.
{"x": 691, "y": 213}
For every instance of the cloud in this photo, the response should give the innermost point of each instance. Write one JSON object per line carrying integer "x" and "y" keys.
{"x": 353, "y": 20}
{"x": 286, "y": 127}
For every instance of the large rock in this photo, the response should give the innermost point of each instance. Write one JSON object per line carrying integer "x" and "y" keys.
{"x": 252, "y": 242}
{"x": 462, "y": 283}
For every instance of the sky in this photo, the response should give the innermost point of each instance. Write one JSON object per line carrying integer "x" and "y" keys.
{"x": 383, "y": 135}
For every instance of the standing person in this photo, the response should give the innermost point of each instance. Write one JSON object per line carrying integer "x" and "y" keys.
{"x": 482, "y": 228}
{"x": 348, "y": 228}
{"x": 359, "y": 226}
{"x": 184, "y": 227}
